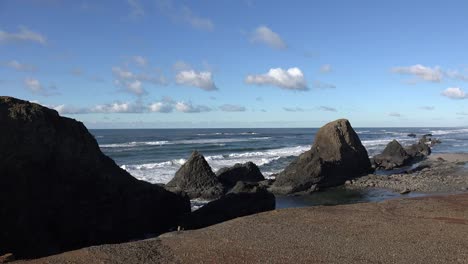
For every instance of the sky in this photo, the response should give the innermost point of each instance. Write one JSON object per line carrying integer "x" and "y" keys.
{"x": 246, "y": 63}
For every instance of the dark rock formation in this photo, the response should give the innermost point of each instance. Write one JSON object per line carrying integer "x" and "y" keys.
{"x": 336, "y": 156}
{"x": 196, "y": 179}
{"x": 412, "y": 135}
{"x": 248, "y": 172}
{"x": 244, "y": 199}
{"x": 393, "y": 156}
{"x": 59, "y": 192}
{"x": 429, "y": 140}
{"x": 419, "y": 150}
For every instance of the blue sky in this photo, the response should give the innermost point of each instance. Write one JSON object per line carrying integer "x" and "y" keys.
{"x": 162, "y": 63}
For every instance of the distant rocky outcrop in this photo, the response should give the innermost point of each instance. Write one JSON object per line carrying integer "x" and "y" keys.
{"x": 244, "y": 199}
{"x": 196, "y": 179}
{"x": 393, "y": 156}
{"x": 248, "y": 172}
{"x": 60, "y": 192}
{"x": 336, "y": 156}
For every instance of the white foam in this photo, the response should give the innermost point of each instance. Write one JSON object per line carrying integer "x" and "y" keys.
{"x": 218, "y": 142}
{"x": 135, "y": 144}
{"x": 452, "y": 131}
{"x": 163, "y": 172}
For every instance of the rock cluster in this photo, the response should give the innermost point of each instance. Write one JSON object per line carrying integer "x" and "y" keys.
{"x": 236, "y": 190}
{"x": 394, "y": 155}
{"x": 60, "y": 192}
{"x": 336, "y": 156}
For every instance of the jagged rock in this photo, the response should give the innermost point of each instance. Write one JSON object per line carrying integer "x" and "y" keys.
{"x": 393, "y": 156}
{"x": 419, "y": 150}
{"x": 196, "y": 179}
{"x": 244, "y": 199}
{"x": 59, "y": 192}
{"x": 336, "y": 156}
{"x": 248, "y": 172}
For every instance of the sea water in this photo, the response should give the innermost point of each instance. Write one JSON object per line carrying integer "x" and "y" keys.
{"x": 154, "y": 155}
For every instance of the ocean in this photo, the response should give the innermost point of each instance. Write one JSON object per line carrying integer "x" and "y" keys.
{"x": 154, "y": 155}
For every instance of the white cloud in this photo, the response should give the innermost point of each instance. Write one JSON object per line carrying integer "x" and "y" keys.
{"x": 293, "y": 109}
{"x": 232, "y": 108}
{"x": 161, "y": 107}
{"x": 69, "y": 110}
{"x": 454, "y": 74}
{"x": 35, "y": 86}
{"x": 122, "y": 74}
{"x": 133, "y": 83}
{"x": 140, "y": 60}
{"x": 326, "y": 68}
{"x": 327, "y": 108}
{"x": 394, "y": 114}
{"x": 425, "y": 73}
{"x": 14, "y": 64}
{"x": 24, "y": 34}
{"x": 136, "y": 9}
{"x": 321, "y": 85}
{"x": 188, "y": 107}
{"x": 290, "y": 79}
{"x": 454, "y": 93}
{"x": 135, "y": 87}
{"x": 267, "y": 36}
{"x": 202, "y": 80}
{"x": 116, "y": 107}
{"x": 196, "y": 21}
{"x": 185, "y": 15}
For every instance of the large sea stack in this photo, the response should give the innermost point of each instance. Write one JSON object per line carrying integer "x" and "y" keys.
{"x": 336, "y": 156}
{"x": 60, "y": 192}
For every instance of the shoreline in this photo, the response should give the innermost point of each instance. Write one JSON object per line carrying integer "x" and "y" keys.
{"x": 441, "y": 173}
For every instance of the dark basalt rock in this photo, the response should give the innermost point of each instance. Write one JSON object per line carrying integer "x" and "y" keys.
{"x": 244, "y": 199}
{"x": 196, "y": 179}
{"x": 59, "y": 192}
{"x": 336, "y": 156}
{"x": 393, "y": 156}
{"x": 248, "y": 172}
{"x": 419, "y": 150}
{"x": 412, "y": 135}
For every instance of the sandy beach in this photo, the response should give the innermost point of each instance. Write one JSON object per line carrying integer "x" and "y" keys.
{"x": 394, "y": 231}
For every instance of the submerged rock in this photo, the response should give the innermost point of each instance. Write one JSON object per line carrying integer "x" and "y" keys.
{"x": 196, "y": 179}
{"x": 393, "y": 156}
{"x": 336, "y": 156}
{"x": 244, "y": 199}
{"x": 248, "y": 172}
{"x": 60, "y": 192}
{"x": 412, "y": 135}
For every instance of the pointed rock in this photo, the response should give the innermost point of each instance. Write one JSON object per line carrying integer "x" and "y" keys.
{"x": 196, "y": 179}
{"x": 393, "y": 156}
{"x": 336, "y": 156}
